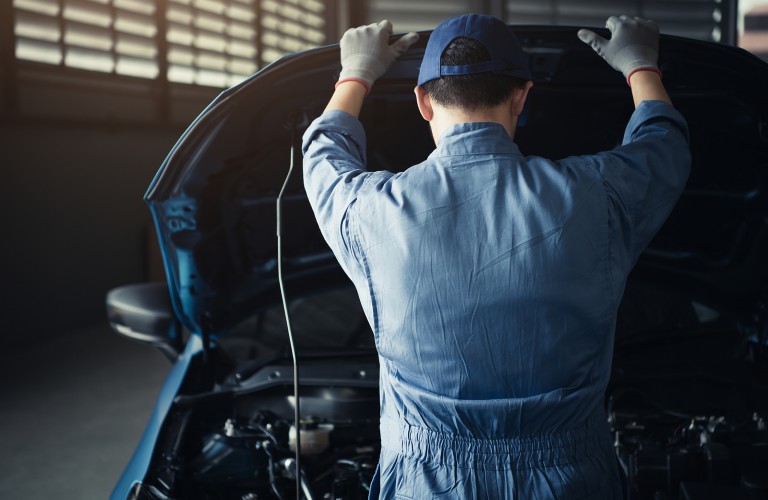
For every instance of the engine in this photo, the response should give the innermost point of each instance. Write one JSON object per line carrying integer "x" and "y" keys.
{"x": 254, "y": 458}
{"x": 687, "y": 427}
{"x": 690, "y": 417}
{"x": 673, "y": 456}
{"x": 241, "y": 444}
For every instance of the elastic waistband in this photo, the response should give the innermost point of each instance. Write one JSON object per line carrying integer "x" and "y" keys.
{"x": 495, "y": 454}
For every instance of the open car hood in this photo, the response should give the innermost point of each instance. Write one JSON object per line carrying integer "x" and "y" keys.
{"x": 214, "y": 198}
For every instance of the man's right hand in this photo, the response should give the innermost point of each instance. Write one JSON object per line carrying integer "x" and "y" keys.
{"x": 366, "y": 53}
{"x": 634, "y": 44}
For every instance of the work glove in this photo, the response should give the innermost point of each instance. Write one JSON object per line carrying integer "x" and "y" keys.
{"x": 366, "y": 53}
{"x": 634, "y": 44}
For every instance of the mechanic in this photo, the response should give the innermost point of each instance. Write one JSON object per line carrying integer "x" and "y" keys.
{"x": 492, "y": 280}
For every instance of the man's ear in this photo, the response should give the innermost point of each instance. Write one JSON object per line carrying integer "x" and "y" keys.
{"x": 519, "y": 97}
{"x": 424, "y": 103}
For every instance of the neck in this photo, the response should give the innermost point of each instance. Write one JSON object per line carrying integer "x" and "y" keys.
{"x": 447, "y": 117}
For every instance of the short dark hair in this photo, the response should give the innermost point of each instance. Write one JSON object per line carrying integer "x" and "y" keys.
{"x": 480, "y": 90}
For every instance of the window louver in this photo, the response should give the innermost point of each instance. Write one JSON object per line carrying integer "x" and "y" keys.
{"x": 290, "y": 26}
{"x": 205, "y": 42}
{"x": 116, "y": 36}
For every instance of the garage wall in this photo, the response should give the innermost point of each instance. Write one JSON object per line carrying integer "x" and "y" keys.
{"x": 76, "y": 155}
{"x": 73, "y": 221}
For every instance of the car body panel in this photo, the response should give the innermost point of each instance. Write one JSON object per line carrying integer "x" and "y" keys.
{"x": 136, "y": 469}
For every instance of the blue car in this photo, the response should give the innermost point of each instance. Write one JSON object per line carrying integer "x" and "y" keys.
{"x": 688, "y": 399}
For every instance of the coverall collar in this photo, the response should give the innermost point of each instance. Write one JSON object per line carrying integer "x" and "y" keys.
{"x": 475, "y": 138}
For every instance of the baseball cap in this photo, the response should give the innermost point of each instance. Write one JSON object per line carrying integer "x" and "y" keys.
{"x": 507, "y": 56}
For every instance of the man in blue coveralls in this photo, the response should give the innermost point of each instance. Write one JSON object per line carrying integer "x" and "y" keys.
{"x": 491, "y": 280}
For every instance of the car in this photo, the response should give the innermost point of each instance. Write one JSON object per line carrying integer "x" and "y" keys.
{"x": 688, "y": 398}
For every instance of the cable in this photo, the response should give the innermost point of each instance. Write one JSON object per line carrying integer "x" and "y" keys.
{"x": 297, "y": 413}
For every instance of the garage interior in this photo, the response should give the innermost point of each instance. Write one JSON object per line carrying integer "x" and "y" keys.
{"x": 93, "y": 94}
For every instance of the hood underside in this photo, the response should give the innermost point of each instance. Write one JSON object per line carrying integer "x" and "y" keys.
{"x": 214, "y": 197}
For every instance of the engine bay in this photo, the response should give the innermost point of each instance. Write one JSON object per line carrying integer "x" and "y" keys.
{"x": 679, "y": 433}
{"x": 687, "y": 405}
{"x": 688, "y": 410}
{"x": 252, "y": 458}
{"x": 668, "y": 455}
{"x": 228, "y": 445}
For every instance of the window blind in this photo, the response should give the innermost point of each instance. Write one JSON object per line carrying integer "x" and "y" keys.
{"x": 114, "y": 36}
{"x": 290, "y": 26}
{"x": 205, "y": 42}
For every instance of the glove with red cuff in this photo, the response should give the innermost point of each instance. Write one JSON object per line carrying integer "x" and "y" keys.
{"x": 634, "y": 44}
{"x": 366, "y": 53}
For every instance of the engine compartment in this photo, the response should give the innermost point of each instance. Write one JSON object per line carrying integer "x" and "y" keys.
{"x": 687, "y": 405}
{"x": 688, "y": 409}
{"x": 253, "y": 457}
{"x": 680, "y": 432}
{"x": 669, "y": 455}
{"x": 235, "y": 454}
{"x": 242, "y": 446}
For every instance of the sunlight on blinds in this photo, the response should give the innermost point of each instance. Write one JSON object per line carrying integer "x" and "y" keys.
{"x": 211, "y": 42}
{"x": 290, "y": 26}
{"x": 208, "y": 42}
{"x": 98, "y": 35}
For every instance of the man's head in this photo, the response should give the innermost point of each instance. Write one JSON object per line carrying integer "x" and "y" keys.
{"x": 470, "y": 91}
{"x": 473, "y": 64}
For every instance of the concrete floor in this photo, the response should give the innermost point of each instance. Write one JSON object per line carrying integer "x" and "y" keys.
{"x": 72, "y": 410}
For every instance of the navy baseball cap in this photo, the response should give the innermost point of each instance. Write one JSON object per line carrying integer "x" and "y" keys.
{"x": 507, "y": 56}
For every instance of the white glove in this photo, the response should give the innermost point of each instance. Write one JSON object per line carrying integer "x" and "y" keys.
{"x": 634, "y": 44}
{"x": 366, "y": 53}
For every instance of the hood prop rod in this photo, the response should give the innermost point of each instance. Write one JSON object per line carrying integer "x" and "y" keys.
{"x": 297, "y": 412}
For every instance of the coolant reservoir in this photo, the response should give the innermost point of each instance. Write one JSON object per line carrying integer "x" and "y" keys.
{"x": 314, "y": 437}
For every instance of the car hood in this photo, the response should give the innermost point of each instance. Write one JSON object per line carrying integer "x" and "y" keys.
{"x": 214, "y": 198}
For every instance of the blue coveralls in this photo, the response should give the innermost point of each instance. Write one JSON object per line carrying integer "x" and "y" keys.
{"x": 491, "y": 282}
